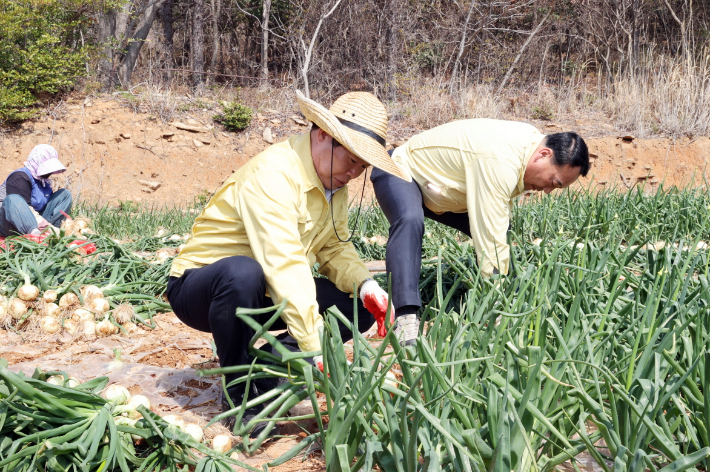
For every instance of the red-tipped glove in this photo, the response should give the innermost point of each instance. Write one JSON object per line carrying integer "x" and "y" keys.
{"x": 89, "y": 248}
{"x": 375, "y": 301}
{"x": 318, "y": 362}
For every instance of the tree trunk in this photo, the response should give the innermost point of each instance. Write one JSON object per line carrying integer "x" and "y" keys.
{"x": 635, "y": 37}
{"x": 216, "y": 12}
{"x": 522, "y": 51}
{"x": 197, "y": 46}
{"x": 307, "y": 52}
{"x": 144, "y": 21}
{"x": 392, "y": 51}
{"x": 105, "y": 31}
{"x": 462, "y": 45}
{"x": 265, "y": 43}
{"x": 166, "y": 16}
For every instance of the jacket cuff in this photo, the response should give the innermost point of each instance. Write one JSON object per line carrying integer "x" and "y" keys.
{"x": 310, "y": 342}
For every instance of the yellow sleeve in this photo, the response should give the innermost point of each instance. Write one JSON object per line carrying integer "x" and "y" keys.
{"x": 268, "y": 205}
{"x": 340, "y": 261}
{"x": 488, "y": 188}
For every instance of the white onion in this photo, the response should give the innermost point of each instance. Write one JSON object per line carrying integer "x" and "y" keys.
{"x": 134, "y": 403}
{"x": 123, "y": 421}
{"x": 195, "y": 431}
{"x": 123, "y": 313}
{"x": 100, "y": 305}
{"x": 90, "y": 293}
{"x": 106, "y": 328}
{"x": 28, "y": 293}
{"x": 88, "y": 329}
{"x": 56, "y": 380}
{"x": 51, "y": 309}
{"x": 68, "y": 299}
{"x": 131, "y": 328}
{"x": 17, "y": 308}
{"x": 175, "y": 420}
{"x": 222, "y": 443}
{"x": 81, "y": 315}
{"x": 50, "y": 296}
{"x": 72, "y": 382}
{"x": 50, "y": 325}
{"x": 117, "y": 394}
{"x": 70, "y": 327}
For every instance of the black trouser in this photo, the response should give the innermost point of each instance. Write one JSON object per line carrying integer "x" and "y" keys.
{"x": 403, "y": 205}
{"x": 207, "y": 298}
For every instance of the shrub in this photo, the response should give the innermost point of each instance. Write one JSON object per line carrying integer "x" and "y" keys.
{"x": 40, "y": 51}
{"x": 236, "y": 116}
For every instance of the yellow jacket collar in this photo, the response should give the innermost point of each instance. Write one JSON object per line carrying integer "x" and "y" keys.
{"x": 520, "y": 188}
{"x": 302, "y": 145}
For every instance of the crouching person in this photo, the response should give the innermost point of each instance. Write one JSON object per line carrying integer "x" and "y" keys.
{"x": 257, "y": 239}
{"x": 28, "y": 205}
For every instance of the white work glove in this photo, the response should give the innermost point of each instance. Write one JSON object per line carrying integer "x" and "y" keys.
{"x": 375, "y": 301}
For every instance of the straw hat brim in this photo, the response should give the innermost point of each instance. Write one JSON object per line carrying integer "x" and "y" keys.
{"x": 363, "y": 146}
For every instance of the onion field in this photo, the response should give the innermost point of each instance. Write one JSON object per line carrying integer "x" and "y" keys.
{"x": 596, "y": 346}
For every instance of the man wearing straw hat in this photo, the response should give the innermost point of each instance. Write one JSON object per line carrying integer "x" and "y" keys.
{"x": 465, "y": 174}
{"x": 257, "y": 239}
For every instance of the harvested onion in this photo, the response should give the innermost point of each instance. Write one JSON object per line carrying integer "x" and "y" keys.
{"x": 106, "y": 328}
{"x": 134, "y": 403}
{"x": 222, "y": 443}
{"x": 17, "y": 308}
{"x": 88, "y": 329}
{"x": 91, "y": 293}
{"x": 123, "y": 313}
{"x": 28, "y": 293}
{"x": 72, "y": 382}
{"x": 100, "y": 305}
{"x": 56, "y": 380}
{"x": 70, "y": 327}
{"x": 195, "y": 431}
{"x": 175, "y": 420}
{"x": 131, "y": 328}
{"x": 117, "y": 394}
{"x": 50, "y": 325}
{"x": 68, "y": 299}
{"x": 50, "y": 296}
{"x": 81, "y": 315}
{"x": 51, "y": 309}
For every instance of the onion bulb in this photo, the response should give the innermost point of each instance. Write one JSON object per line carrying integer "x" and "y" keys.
{"x": 81, "y": 315}
{"x": 81, "y": 224}
{"x": 106, "y": 328}
{"x": 117, "y": 394}
{"x": 72, "y": 383}
{"x": 131, "y": 328}
{"x": 123, "y": 421}
{"x": 123, "y": 313}
{"x": 50, "y": 325}
{"x": 70, "y": 327}
{"x": 17, "y": 308}
{"x": 28, "y": 293}
{"x": 175, "y": 421}
{"x": 51, "y": 309}
{"x": 195, "y": 431}
{"x": 88, "y": 329}
{"x": 50, "y": 296}
{"x": 134, "y": 403}
{"x": 222, "y": 443}
{"x": 68, "y": 299}
{"x": 100, "y": 305}
{"x": 56, "y": 380}
{"x": 91, "y": 293}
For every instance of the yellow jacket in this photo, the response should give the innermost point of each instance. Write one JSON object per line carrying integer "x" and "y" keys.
{"x": 274, "y": 210}
{"x": 475, "y": 166}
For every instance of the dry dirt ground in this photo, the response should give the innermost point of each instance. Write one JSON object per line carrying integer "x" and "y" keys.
{"x": 115, "y": 154}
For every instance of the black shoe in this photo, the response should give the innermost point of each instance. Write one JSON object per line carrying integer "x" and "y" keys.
{"x": 249, "y": 415}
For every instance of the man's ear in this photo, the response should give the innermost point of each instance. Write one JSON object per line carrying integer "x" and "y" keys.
{"x": 545, "y": 152}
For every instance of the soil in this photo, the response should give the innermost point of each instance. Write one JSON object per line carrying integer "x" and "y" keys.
{"x": 115, "y": 154}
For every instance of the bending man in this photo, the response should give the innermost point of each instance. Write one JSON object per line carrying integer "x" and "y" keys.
{"x": 465, "y": 175}
{"x": 257, "y": 239}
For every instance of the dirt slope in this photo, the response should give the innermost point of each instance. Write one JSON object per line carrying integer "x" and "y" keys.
{"x": 115, "y": 154}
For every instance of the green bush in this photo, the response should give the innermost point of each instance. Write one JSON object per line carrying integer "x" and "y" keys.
{"x": 236, "y": 116}
{"x": 41, "y": 51}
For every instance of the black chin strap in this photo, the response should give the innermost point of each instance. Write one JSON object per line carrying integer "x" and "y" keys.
{"x": 362, "y": 196}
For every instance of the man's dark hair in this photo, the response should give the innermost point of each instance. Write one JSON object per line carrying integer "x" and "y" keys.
{"x": 336, "y": 143}
{"x": 569, "y": 149}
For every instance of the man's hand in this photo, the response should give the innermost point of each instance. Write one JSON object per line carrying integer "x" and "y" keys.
{"x": 375, "y": 300}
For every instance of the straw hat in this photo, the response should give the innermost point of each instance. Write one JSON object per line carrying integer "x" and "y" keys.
{"x": 358, "y": 121}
